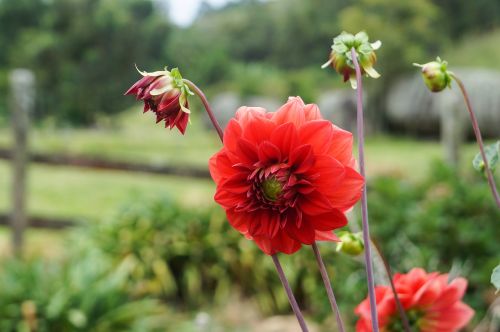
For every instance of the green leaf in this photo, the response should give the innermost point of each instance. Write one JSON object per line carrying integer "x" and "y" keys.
{"x": 495, "y": 278}
{"x": 492, "y": 156}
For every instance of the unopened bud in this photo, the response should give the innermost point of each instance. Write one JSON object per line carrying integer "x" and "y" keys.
{"x": 341, "y": 57}
{"x": 351, "y": 243}
{"x": 436, "y": 75}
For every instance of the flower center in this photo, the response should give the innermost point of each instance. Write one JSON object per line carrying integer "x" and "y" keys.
{"x": 271, "y": 188}
{"x": 414, "y": 319}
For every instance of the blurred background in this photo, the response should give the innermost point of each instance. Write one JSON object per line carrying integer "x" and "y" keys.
{"x": 115, "y": 225}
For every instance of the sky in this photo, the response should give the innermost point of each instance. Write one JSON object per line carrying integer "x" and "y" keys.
{"x": 183, "y": 12}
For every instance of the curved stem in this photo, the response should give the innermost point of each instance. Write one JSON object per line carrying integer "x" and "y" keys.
{"x": 204, "y": 100}
{"x": 402, "y": 313}
{"x": 364, "y": 205}
{"x": 479, "y": 139}
{"x": 328, "y": 286}
{"x": 289, "y": 293}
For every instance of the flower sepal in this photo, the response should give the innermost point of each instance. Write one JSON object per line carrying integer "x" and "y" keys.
{"x": 341, "y": 56}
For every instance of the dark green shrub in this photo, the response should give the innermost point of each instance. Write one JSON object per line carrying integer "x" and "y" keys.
{"x": 195, "y": 258}
{"x": 448, "y": 222}
{"x": 80, "y": 295}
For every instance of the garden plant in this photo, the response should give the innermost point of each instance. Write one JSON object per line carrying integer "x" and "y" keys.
{"x": 287, "y": 178}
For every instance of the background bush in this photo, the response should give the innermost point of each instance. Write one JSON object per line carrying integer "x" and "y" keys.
{"x": 117, "y": 273}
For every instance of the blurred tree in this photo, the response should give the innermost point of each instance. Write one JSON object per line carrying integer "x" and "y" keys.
{"x": 82, "y": 51}
{"x": 464, "y": 16}
{"x": 409, "y": 31}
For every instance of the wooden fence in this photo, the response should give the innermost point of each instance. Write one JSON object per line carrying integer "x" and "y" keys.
{"x": 21, "y": 101}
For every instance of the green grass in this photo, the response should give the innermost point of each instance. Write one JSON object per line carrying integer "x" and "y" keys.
{"x": 131, "y": 137}
{"x": 475, "y": 51}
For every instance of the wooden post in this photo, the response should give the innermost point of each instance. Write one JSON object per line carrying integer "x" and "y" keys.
{"x": 22, "y": 101}
{"x": 452, "y": 128}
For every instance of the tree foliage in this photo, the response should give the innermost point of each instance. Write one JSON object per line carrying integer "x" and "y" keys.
{"x": 82, "y": 51}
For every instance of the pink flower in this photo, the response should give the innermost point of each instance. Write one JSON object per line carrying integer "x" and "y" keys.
{"x": 431, "y": 302}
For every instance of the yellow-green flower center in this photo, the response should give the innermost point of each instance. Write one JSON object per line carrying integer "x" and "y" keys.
{"x": 271, "y": 188}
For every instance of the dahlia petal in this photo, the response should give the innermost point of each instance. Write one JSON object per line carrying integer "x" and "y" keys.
{"x": 168, "y": 104}
{"x": 331, "y": 173}
{"x": 453, "y": 292}
{"x": 326, "y": 236}
{"x": 247, "y": 152}
{"x": 264, "y": 223}
{"x": 247, "y": 114}
{"x": 291, "y": 112}
{"x": 312, "y": 112}
{"x": 182, "y": 123}
{"x": 327, "y": 221}
{"x": 341, "y": 148}
{"x": 427, "y": 294}
{"x": 228, "y": 199}
{"x": 348, "y": 191}
{"x": 451, "y": 319}
{"x": 301, "y": 159}
{"x": 282, "y": 242}
{"x": 139, "y": 84}
{"x": 314, "y": 204}
{"x": 258, "y": 130}
{"x": 269, "y": 153}
{"x": 264, "y": 244}
{"x": 318, "y": 134}
{"x": 236, "y": 184}
{"x": 304, "y": 234}
{"x": 232, "y": 134}
{"x": 220, "y": 166}
{"x": 239, "y": 221}
{"x": 285, "y": 137}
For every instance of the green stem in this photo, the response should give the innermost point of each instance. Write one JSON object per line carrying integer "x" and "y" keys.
{"x": 479, "y": 139}
{"x": 364, "y": 198}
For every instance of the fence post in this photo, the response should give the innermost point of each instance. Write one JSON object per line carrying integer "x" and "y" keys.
{"x": 452, "y": 128}
{"x": 22, "y": 83}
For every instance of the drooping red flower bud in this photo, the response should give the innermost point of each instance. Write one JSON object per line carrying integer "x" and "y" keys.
{"x": 165, "y": 93}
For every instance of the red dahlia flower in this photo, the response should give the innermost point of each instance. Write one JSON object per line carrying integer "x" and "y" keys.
{"x": 165, "y": 93}
{"x": 431, "y": 302}
{"x": 285, "y": 178}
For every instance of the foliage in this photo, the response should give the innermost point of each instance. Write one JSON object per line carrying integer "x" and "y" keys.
{"x": 447, "y": 222}
{"x": 79, "y": 51}
{"x": 492, "y": 153}
{"x": 80, "y": 295}
{"x": 495, "y": 277}
{"x": 195, "y": 258}
{"x": 464, "y": 53}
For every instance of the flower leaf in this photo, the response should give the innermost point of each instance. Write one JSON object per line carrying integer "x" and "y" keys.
{"x": 495, "y": 278}
{"x": 492, "y": 152}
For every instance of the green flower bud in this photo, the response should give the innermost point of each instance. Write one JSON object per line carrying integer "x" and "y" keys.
{"x": 341, "y": 57}
{"x": 351, "y": 243}
{"x": 435, "y": 74}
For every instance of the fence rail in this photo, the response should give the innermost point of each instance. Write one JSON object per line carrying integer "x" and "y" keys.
{"x": 104, "y": 164}
{"x": 41, "y": 222}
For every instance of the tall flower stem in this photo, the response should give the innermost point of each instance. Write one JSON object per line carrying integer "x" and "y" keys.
{"x": 328, "y": 286}
{"x": 402, "y": 314}
{"x": 204, "y": 100}
{"x": 289, "y": 293}
{"x": 479, "y": 139}
{"x": 281, "y": 274}
{"x": 364, "y": 205}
